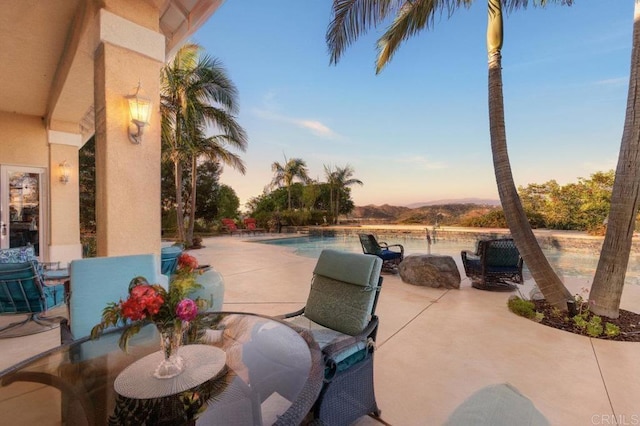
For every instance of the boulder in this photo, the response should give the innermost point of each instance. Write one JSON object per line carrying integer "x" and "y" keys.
{"x": 431, "y": 270}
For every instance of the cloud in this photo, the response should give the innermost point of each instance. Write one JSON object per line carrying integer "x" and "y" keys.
{"x": 620, "y": 81}
{"x": 268, "y": 112}
{"x": 421, "y": 162}
{"x": 314, "y": 126}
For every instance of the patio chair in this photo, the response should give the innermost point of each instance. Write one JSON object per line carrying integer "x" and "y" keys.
{"x": 251, "y": 225}
{"x": 22, "y": 292}
{"x": 495, "y": 265}
{"x": 230, "y": 226}
{"x": 340, "y": 314}
{"x": 391, "y": 255}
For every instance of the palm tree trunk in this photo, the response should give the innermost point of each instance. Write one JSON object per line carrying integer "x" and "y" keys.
{"x": 192, "y": 213}
{"x": 545, "y": 277}
{"x": 177, "y": 170}
{"x": 608, "y": 282}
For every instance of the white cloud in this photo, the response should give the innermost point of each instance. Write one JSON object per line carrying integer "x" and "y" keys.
{"x": 421, "y": 162}
{"x": 620, "y": 81}
{"x": 268, "y": 112}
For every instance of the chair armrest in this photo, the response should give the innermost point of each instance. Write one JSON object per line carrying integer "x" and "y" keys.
{"x": 468, "y": 254}
{"x": 291, "y": 314}
{"x": 388, "y": 246}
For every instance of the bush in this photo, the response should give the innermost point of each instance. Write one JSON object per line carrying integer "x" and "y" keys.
{"x": 524, "y": 308}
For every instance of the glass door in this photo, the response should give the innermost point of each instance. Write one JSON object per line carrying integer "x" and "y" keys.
{"x": 21, "y": 207}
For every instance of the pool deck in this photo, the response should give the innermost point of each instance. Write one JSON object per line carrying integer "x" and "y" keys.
{"x": 436, "y": 347}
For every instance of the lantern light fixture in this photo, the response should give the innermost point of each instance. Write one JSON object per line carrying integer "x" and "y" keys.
{"x": 65, "y": 169}
{"x": 140, "y": 110}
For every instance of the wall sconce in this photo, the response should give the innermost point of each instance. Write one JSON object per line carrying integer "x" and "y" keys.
{"x": 140, "y": 109}
{"x": 65, "y": 169}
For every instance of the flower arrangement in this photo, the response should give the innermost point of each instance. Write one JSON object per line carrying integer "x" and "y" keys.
{"x": 169, "y": 310}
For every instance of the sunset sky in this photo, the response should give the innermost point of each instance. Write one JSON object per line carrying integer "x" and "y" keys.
{"x": 419, "y": 130}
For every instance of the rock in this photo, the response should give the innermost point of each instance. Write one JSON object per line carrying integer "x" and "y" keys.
{"x": 430, "y": 270}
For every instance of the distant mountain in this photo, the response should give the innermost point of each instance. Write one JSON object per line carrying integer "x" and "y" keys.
{"x": 446, "y": 214}
{"x": 479, "y": 201}
{"x": 384, "y": 211}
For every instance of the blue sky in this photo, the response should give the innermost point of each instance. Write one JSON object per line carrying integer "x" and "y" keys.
{"x": 419, "y": 130}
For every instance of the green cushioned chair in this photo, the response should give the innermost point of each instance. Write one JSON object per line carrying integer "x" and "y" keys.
{"x": 340, "y": 314}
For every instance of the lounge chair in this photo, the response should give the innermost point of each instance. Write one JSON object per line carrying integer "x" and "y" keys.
{"x": 231, "y": 227}
{"x": 391, "y": 254}
{"x": 22, "y": 291}
{"x": 495, "y": 265}
{"x": 251, "y": 225}
{"x": 340, "y": 315}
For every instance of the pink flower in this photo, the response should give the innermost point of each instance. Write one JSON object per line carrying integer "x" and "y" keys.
{"x": 187, "y": 310}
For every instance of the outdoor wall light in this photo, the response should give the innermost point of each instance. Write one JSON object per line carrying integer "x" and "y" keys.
{"x": 65, "y": 169}
{"x": 140, "y": 109}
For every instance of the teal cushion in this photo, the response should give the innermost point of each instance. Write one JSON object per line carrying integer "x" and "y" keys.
{"x": 497, "y": 405}
{"x": 20, "y": 291}
{"x": 100, "y": 280}
{"x": 325, "y": 336}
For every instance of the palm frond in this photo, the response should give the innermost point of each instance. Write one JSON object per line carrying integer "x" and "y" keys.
{"x": 413, "y": 17}
{"x": 351, "y": 18}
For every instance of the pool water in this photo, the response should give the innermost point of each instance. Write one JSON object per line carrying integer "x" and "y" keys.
{"x": 565, "y": 263}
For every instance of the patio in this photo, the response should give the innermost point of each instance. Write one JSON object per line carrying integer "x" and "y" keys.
{"x": 435, "y": 347}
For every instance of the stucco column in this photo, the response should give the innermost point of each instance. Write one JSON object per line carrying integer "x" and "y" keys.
{"x": 64, "y": 215}
{"x": 127, "y": 175}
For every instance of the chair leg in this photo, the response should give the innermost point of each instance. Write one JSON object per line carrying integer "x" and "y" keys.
{"x": 24, "y": 328}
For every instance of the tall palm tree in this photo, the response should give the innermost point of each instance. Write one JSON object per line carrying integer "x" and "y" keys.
{"x": 608, "y": 282}
{"x": 213, "y": 148}
{"x": 353, "y": 17}
{"x": 285, "y": 174}
{"x": 196, "y": 93}
{"x": 338, "y": 180}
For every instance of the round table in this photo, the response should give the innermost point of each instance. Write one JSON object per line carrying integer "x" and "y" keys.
{"x": 272, "y": 375}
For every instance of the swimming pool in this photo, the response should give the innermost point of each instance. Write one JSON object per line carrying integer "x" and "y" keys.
{"x": 565, "y": 263}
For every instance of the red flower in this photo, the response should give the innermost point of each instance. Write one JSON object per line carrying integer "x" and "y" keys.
{"x": 143, "y": 301}
{"x": 187, "y": 262}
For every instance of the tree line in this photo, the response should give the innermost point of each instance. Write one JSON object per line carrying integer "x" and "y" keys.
{"x": 580, "y": 206}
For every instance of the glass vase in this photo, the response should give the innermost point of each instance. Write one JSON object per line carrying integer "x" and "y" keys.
{"x": 170, "y": 342}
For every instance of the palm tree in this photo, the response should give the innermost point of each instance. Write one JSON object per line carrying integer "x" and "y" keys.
{"x": 195, "y": 93}
{"x": 353, "y": 17}
{"x": 608, "y": 282}
{"x": 295, "y": 168}
{"x": 338, "y": 180}
{"x": 213, "y": 148}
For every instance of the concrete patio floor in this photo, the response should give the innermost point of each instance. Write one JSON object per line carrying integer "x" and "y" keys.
{"x": 435, "y": 347}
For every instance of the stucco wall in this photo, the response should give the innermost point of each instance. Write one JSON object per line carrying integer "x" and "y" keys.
{"x": 23, "y": 141}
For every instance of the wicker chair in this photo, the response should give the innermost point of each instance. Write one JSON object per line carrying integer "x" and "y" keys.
{"x": 495, "y": 265}
{"x": 339, "y": 313}
{"x": 391, "y": 254}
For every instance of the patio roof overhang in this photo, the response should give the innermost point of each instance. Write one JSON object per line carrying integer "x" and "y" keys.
{"x": 48, "y": 51}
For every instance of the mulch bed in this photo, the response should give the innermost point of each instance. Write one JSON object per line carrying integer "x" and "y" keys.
{"x": 629, "y": 323}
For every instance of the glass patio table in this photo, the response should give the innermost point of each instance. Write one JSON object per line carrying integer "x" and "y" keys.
{"x": 270, "y": 374}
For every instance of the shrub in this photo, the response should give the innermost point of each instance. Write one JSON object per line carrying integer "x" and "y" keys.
{"x": 524, "y": 308}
